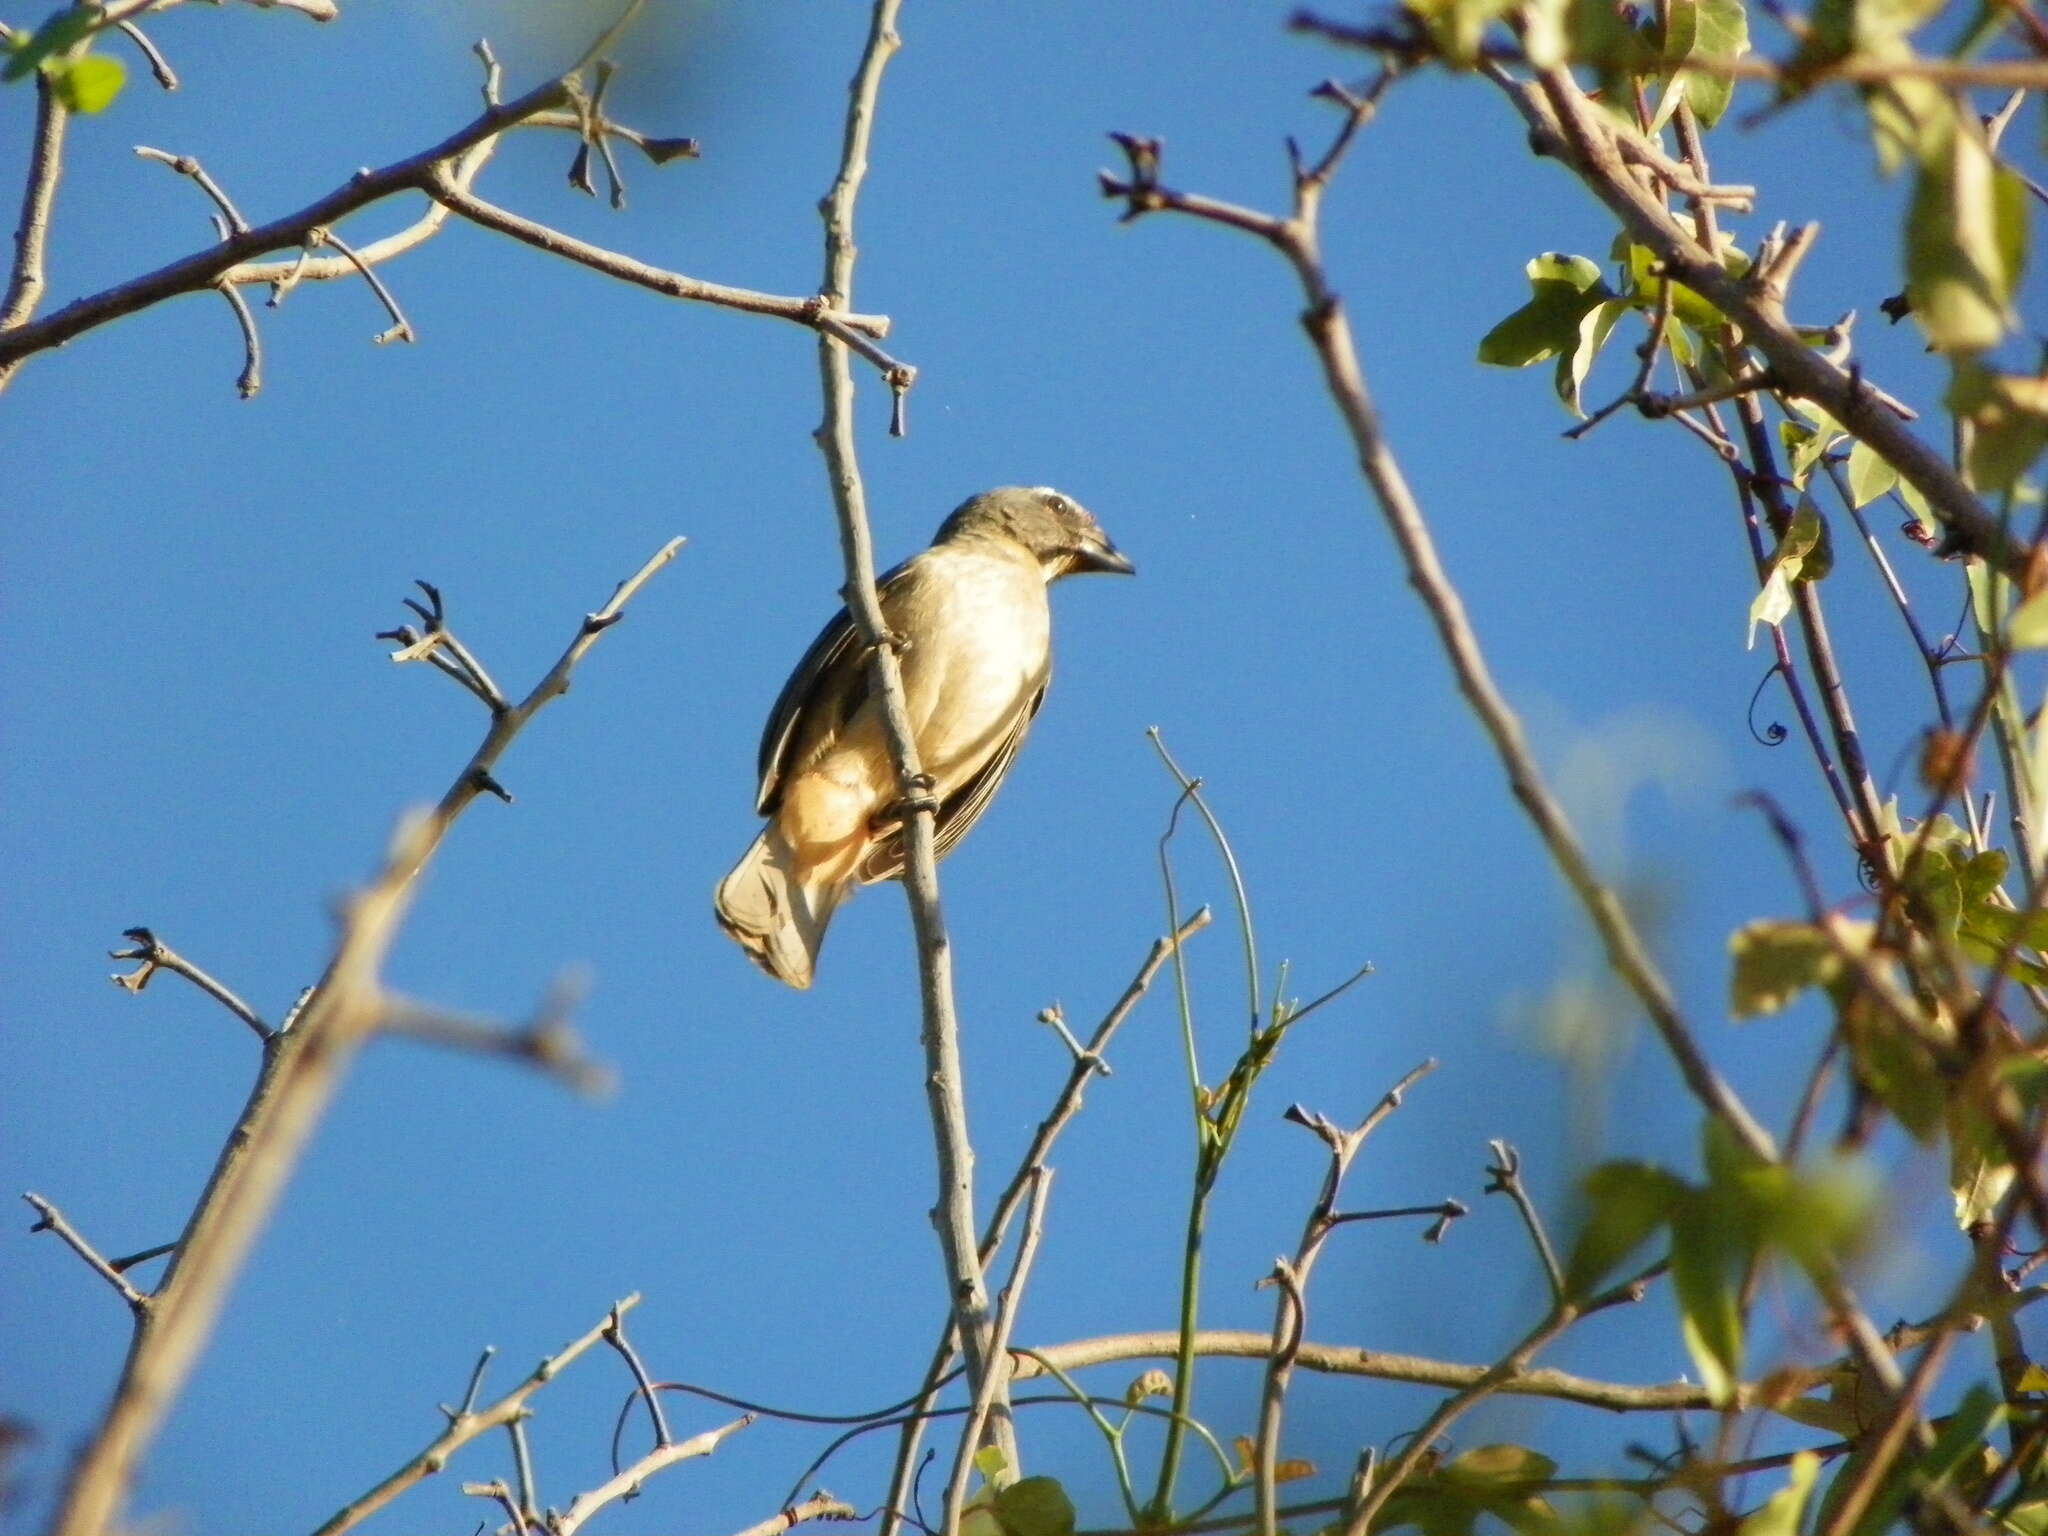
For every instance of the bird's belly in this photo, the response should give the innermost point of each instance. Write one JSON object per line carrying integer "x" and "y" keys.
{"x": 986, "y": 653}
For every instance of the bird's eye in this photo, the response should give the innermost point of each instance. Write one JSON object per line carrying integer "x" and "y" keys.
{"x": 1058, "y": 504}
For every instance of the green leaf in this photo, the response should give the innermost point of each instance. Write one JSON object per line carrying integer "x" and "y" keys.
{"x": 1705, "y": 31}
{"x": 1500, "y": 1467}
{"x": 1806, "y": 553}
{"x": 1627, "y": 1202}
{"x": 1961, "y": 1434}
{"x": 1818, "y": 1215}
{"x": 61, "y": 31}
{"x": 1806, "y": 445}
{"x": 88, "y": 83}
{"x": 1965, "y": 244}
{"x": 1703, "y": 1255}
{"x": 1781, "y": 1511}
{"x": 1035, "y": 1506}
{"x": 1458, "y": 27}
{"x": 1896, "y": 1067}
{"x": 2029, "y": 1519}
{"x": 1648, "y": 290}
{"x": 1572, "y": 366}
{"x": 2008, "y": 416}
{"x": 1564, "y": 289}
{"x": 1870, "y": 474}
{"x": 1774, "y": 962}
{"x": 1771, "y": 604}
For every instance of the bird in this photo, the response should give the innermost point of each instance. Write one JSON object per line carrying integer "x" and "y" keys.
{"x": 975, "y": 628}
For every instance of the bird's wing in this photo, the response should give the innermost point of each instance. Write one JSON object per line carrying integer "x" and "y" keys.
{"x": 828, "y": 685}
{"x": 962, "y": 808}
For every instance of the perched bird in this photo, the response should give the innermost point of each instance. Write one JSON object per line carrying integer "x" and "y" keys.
{"x": 972, "y": 610}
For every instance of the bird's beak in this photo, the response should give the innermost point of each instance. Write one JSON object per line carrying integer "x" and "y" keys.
{"x": 1103, "y": 556}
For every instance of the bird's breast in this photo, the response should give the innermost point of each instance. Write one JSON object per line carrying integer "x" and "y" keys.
{"x": 981, "y": 649}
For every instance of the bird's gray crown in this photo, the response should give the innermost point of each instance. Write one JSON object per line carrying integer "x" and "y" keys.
{"x": 1061, "y": 532}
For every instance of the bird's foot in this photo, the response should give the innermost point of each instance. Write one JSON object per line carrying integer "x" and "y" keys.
{"x": 920, "y": 799}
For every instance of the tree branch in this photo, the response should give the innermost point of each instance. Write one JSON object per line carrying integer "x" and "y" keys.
{"x": 1565, "y": 126}
{"x": 1087, "y": 1062}
{"x": 1374, "y": 1364}
{"x": 1297, "y": 239}
{"x": 944, "y": 1086}
{"x": 28, "y": 277}
{"x": 469, "y": 1423}
{"x": 50, "y": 1219}
{"x": 302, "y": 1068}
{"x": 154, "y": 955}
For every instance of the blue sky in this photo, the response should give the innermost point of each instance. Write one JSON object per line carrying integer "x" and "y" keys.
{"x": 203, "y": 736}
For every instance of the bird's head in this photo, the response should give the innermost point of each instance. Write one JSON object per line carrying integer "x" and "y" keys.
{"x": 1061, "y": 532}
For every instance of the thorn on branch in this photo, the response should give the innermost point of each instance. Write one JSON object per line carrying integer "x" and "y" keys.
{"x": 486, "y": 783}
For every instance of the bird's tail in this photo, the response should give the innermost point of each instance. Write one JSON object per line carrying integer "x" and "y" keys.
{"x": 772, "y": 913}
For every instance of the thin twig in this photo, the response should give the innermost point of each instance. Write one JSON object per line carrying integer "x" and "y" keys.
{"x": 302, "y": 1070}
{"x": 1329, "y": 332}
{"x": 468, "y": 1424}
{"x": 627, "y": 1483}
{"x": 400, "y": 328}
{"x": 1065, "y": 1107}
{"x": 615, "y": 1335}
{"x": 1376, "y": 1365}
{"x": 1007, "y": 1307}
{"x": 50, "y": 1219}
{"x": 945, "y": 1086}
{"x": 153, "y": 955}
{"x": 819, "y": 1506}
{"x": 250, "y": 380}
{"x": 159, "y": 66}
{"x": 185, "y": 165}
{"x": 1505, "y": 1178}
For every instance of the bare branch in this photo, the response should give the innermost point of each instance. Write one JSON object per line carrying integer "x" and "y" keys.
{"x": 185, "y": 165}
{"x": 809, "y": 312}
{"x": 1374, "y": 1364}
{"x": 205, "y": 268}
{"x": 944, "y": 1081}
{"x": 50, "y": 1219}
{"x": 28, "y": 277}
{"x": 250, "y": 380}
{"x": 996, "y": 1382}
{"x": 1065, "y": 1107}
{"x": 819, "y": 1506}
{"x": 1504, "y": 1176}
{"x": 627, "y": 1483}
{"x": 401, "y": 328}
{"x": 615, "y": 1335}
{"x": 302, "y": 1069}
{"x": 467, "y": 1424}
{"x": 159, "y": 66}
{"x": 154, "y": 955}
{"x": 1329, "y": 332}
{"x": 547, "y": 1041}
